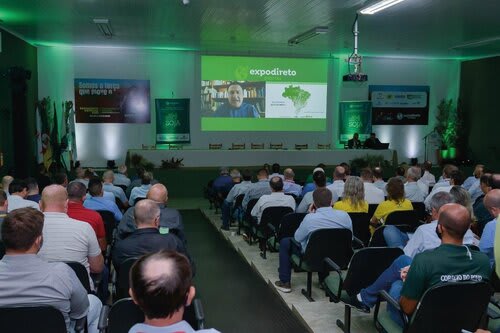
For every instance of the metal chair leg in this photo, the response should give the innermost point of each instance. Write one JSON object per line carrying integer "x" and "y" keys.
{"x": 307, "y": 293}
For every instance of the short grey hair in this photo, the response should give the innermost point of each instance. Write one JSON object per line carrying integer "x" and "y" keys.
{"x": 145, "y": 211}
{"x": 440, "y": 199}
{"x": 413, "y": 173}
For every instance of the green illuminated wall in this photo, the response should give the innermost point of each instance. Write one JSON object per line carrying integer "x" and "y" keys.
{"x": 16, "y": 52}
{"x": 479, "y": 88}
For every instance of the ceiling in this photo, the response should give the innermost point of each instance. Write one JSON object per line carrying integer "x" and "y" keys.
{"x": 414, "y": 28}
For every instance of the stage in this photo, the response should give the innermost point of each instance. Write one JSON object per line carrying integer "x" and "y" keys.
{"x": 257, "y": 157}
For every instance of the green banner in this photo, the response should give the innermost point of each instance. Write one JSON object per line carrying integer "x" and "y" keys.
{"x": 172, "y": 121}
{"x": 355, "y": 117}
{"x": 259, "y": 124}
{"x": 264, "y": 69}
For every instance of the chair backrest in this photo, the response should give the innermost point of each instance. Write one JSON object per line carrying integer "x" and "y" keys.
{"x": 451, "y": 307}
{"x": 403, "y": 217}
{"x": 361, "y": 226}
{"x": 109, "y": 224}
{"x": 237, "y": 146}
{"x": 420, "y": 212}
{"x": 119, "y": 204}
{"x": 257, "y": 146}
{"x": 289, "y": 224}
{"x": 2, "y": 249}
{"x": 122, "y": 278}
{"x": 367, "y": 265}
{"x": 273, "y": 215}
{"x": 40, "y": 319}
{"x": 250, "y": 206}
{"x": 371, "y": 209}
{"x": 301, "y": 146}
{"x": 335, "y": 244}
{"x": 238, "y": 200}
{"x": 81, "y": 274}
{"x": 123, "y": 187}
{"x": 276, "y": 146}
{"x": 215, "y": 146}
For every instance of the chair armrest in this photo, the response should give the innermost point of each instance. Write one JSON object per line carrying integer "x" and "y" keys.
{"x": 198, "y": 313}
{"x": 386, "y": 297}
{"x": 357, "y": 243}
{"x": 102, "y": 324}
{"x": 329, "y": 263}
{"x": 80, "y": 324}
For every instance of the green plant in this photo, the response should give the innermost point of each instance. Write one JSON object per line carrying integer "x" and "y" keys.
{"x": 172, "y": 163}
{"x": 138, "y": 161}
{"x": 368, "y": 161}
{"x": 449, "y": 123}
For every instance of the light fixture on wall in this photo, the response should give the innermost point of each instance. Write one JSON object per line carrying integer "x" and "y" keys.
{"x": 378, "y": 6}
{"x": 477, "y": 43}
{"x": 104, "y": 27}
{"x": 307, "y": 35}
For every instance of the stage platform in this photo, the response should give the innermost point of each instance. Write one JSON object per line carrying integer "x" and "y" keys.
{"x": 255, "y": 157}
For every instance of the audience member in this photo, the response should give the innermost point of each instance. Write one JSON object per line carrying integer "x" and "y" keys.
{"x": 347, "y": 168}
{"x": 445, "y": 178}
{"x": 474, "y": 187}
{"x": 444, "y": 264}
{"x": 481, "y": 213}
{"x": 310, "y": 185}
{"x": 138, "y": 181}
{"x": 170, "y": 218}
{"x": 396, "y": 201}
{"x": 428, "y": 178}
{"x": 236, "y": 190}
{"x": 373, "y": 195}
{"x": 146, "y": 237}
{"x": 492, "y": 203}
{"x": 275, "y": 172}
{"x": 372, "y": 142}
{"x": 322, "y": 216}
{"x": 223, "y": 183}
{"x": 3, "y": 207}
{"x": 354, "y": 143}
{"x": 474, "y": 179}
{"x": 27, "y": 279}
{"x": 235, "y": 176}
{"x": 161, "y": 285}
{"x": 107, "y": 185}
{"x": 289, "y": 185}
{"x": 81, "y": 178}
{"x": 76, "y": 196}
{"x": 353, "y": 197}
{"x": 121, "y": 178}
{"x": 258, "y": 189}
{"x": 319, "y": 179}
{"x": 413, "y": 192}
{"x": 378, "y": 181}
{"x": 33, "y": 191}
{"x": 400, "y": 173}
{"x": 6, "y": 180}
{"x": 277, "y": 198}
{"x": 96, "y": 201}
{"x": 141, "y": 191}
{"x": 18, "y": 191}
{"x": 461, "y": 196}
{"x": 60, "y": 178}
{"x": 455, "y": 178}
{"x": 337, "y": 187}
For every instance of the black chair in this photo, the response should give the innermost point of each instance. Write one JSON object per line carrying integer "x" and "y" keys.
{"x": 405, "y": 220}
{"x": 361, "y": 226}
{"x": 335, "y": 244}
{"x": 123, "y": 187}
{"x": 365, "y": 267}
{"x": 109, "y": 224}
{"x": 248, "y": 220}
{"x": 81, "y": 274}
{"x": 124, "y": 314}
{"x": 237, "y": 210}
{"x": 371, "y": 209}
{"x": 289, "y": 224}
{"x": 120, "y": 204}
{"x": 269, "y": 223}
{"x": 40, "y": 319}
{"x": 122, "y": 279}
{"x": 446, "y": 307}
{"x": 420, "y": 211}
{"x": 2, "y": 249}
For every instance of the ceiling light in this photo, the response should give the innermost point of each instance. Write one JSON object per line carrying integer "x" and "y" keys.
{"x": 477, "y": 43}
{"x": 307, "y": 35}
{"x": 377, "y": 7}
{"x": 104, "y": 27}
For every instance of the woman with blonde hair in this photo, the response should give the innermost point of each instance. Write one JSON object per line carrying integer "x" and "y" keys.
{"x": 353, "y": 197}
{"x": 395, "y": 201}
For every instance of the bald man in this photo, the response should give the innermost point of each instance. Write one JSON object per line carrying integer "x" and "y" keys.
{"x": 492, "y": 203}
{"x": 337, "y": 187}
{"x": 66, "y": 239}
{"x": 107, "y": 185}
{"x": 170, "y": 219}
{"x": 146, "y": 237}
{"x": 450, "y": 262}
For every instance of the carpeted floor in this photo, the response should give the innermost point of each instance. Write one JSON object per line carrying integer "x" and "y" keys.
{"x": 235, "y": 298}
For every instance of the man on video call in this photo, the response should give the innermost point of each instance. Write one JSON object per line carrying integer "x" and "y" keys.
{"x": 235, "y": 107}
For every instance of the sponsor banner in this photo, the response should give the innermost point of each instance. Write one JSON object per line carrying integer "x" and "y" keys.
{"x": 112, "y": 101}
{"x": 355, "y": 117}
{"x": 172, "y": 120}
{"x": 399, "y": 105}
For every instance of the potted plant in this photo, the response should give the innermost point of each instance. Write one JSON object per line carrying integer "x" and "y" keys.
{"x": 449, "y": 123}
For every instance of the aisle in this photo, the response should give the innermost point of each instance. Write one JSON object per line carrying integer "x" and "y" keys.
{"x": 235, "y": 298}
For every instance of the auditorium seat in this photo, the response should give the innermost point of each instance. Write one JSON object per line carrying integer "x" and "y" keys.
{"x": 301, "y": 146}
{"x": 215, "y": 146}
{"x": 257, "y": 146}
{"x": 237, "y": 146}
{"x": 46, "y": 319}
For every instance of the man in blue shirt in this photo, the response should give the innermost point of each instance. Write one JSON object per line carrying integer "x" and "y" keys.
{"x": 236, "y": 108}
{"x": 323, "y": 217}
{"x": 98, "y": 202}
{"x": 492, "y": 203}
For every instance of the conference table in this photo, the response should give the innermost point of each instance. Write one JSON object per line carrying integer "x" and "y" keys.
{"x": 255, "y": 157}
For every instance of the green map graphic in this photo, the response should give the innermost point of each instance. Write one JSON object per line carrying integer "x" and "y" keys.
{"x": 298, "y": 96}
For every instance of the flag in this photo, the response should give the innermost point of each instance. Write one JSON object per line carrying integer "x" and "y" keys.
{"x": 38, "y": 137}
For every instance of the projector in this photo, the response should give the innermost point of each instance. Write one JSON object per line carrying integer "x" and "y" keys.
{"x": 355, "y": 78}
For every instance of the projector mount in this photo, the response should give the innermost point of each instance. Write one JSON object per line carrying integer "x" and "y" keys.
{"x": 355, "y": 60}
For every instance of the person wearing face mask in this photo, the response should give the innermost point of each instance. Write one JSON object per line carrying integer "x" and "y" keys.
{"x": 235, "y": 107}
{"x": 406, "y": 280}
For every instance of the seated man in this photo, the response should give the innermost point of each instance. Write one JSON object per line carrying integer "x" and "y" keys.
{"x": 141, "y": 191}
{"x": 60, "y": 178}
{"x": 444, "y": 180}
{"x": 275, "y": 169}
{"x": 96, "y": 201}
{"x": 446, "y": 263}
{"x": 354, "y": 143}
{"x": 27, "y": 279}
{"x": 413, "y": 192}
{"x": 121, "y": 178}
{"x": 456, "y": 178}
{"x": 161, "y": 285}
{"x": 146, "y": 238}
{"x": 373, "y": 195}
{"x": 323, "y": 216}
{"x": 170, "y": 218}
{"x": 372, "y": 142}
{"x": 319, "y": 179}
{"x": 76, "y": 196}
{"x": 492, "y": 203}
{"x": 107, "y": 186}
{"x": 236, "y": 190}
{"x": 80, "y": 176}
{"x": 337, "y": 187}
{"x": 66, "y": 239}
{"x": 289, "y": 185}
{"x": 378, "y": 180}
{"x": 33, "y": 190}
{"x": 258, "y": 189}
{"x": 277, "y": 198}
{"x": 428, "y": 178}
{"x": 17, "y": 199}
{"x": 481, "y": 213}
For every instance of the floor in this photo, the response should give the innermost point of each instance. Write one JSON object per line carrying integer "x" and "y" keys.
{"x": 321, "y": 315}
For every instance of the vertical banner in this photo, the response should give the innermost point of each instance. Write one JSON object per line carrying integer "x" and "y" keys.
{"x": 172, "y": 120}
{"x": 355, "y": 117}
{"x": 399, "y": 105}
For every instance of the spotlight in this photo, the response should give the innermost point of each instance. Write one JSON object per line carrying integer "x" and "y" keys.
{"x": 111, "y": 164}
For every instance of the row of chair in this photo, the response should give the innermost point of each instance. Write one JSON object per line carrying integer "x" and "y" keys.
{"x": 238, "y": 146}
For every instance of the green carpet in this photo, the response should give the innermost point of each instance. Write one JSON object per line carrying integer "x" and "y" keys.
{"x": 235, "y": 298}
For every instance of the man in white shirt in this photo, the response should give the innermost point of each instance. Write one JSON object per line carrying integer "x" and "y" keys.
{"x": 18, "y": 191}
{"x": 456, "y": 178}
{"x": 235, "y": 191}
{"x": 277, "y": 198}
{"x": 413, "y": 191}
{"x": 378, "y": 181}
{"x": 445, "y": 177}
{"x": 337, "y": 187}
{"x": 428, "y": 178}
{"x": 373, "y": 195}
